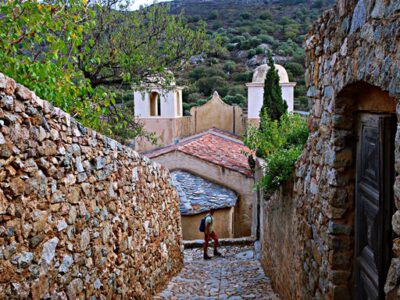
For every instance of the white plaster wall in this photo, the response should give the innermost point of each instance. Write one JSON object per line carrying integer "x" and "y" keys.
{"x": 255, "y": 101}
{"x": 288, "y": 96}
{"x": 255, "y": 95}
{"x": 142, "y": 104}
{"x": 168, "y": 104}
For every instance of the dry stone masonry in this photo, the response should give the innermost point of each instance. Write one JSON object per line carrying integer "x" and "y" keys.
{"x": 308, "y": 230}
{"x": 81, "y": 216}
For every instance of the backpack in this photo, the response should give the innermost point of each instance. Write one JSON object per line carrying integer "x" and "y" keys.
{"x": 202, "y": 226}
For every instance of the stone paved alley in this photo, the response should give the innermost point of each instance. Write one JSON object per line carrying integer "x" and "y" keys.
{"x": 238, "y": 275}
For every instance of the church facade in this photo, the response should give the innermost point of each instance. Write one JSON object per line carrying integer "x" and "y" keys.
{"x": 160, "y": 110}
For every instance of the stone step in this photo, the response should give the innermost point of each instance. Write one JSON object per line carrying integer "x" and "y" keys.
{"x": 222, "y": 242}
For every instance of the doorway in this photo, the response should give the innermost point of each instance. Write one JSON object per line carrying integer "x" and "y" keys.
{"x": 373, "y": 203}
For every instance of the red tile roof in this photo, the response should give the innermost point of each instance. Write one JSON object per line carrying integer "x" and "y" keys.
{"x": 214, "y": 146}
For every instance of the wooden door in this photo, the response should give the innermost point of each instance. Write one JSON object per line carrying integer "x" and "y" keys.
{"x": 374, "y": 203}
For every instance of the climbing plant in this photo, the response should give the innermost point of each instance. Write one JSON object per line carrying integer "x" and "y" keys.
{"x": 279, "y": 143}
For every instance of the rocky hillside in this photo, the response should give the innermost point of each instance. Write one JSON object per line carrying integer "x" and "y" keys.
{"x": 247, "y": 29}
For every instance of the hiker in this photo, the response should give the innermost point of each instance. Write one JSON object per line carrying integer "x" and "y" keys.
{"x": 210, "y": 233}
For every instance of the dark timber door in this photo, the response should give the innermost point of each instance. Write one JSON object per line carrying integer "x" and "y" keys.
{"x": 374, "y": 204}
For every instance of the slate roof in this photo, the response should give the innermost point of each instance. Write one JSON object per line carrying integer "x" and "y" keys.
{"x": 198, "y": 195}
{"x": 215, "y": 146}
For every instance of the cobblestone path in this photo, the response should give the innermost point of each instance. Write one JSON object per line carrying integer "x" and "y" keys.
{"x": 237, "y": 275}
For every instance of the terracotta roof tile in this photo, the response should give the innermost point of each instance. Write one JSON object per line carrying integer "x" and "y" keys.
{"x": 215, "y": 146}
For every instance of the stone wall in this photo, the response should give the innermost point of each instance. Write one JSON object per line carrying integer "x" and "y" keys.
{"x": 80, "y": 215}
{"x": 277, "y": 234}
{"x": 352, "y": 52}
{"x": 244, "y": 222}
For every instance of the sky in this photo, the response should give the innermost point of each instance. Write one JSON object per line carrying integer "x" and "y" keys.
{"x": 136, "y": 3}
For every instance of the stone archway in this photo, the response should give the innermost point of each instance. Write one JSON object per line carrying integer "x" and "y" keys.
{"x": 370, "y": 175}
{"x": 197, "y": 196}
{"x": 352, "y": 48}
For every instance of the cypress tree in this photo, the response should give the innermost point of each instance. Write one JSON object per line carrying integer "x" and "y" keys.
{"x": 273, "y": 102}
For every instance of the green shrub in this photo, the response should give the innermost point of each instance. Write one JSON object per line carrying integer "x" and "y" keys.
{"x": 296, "y": 68}
{"x": 266, "y": 16}
{"x": 279, "y": 143}
{"x": 195, "y": 19}
{"x": 298, "y": 55}
{"x": 237, "y": 99}
{"x": 243, "y": 77}
{"x": 229, "y": 66}
{"x": 213, "y": 60}
{"x": 186, "y": 106}
{"x": 260, "y": 50}
{"x": 301, "y": 103}
{"x": 233, "y": 31}
{"x": 265, "y": 38}
{"x": 300, "y": 90}
{"x": 201, "y": 72}
{"x": 246, "y": 35}
{"x": 244, "y": 45}
{"x": 213, "y": 15}
{"x": 237, "y": 39}
{"x": 279, "y": 168}
{"x": 201, "y": 102}
{"x": 254, "y": 41}
{"x": 255, "y": 29}
{"x": 251, "y": 53}
{"x": 222, "y": 90}
{"x": 221, "y": 31}
{"x": 224, "y": 39}
{"x": 290, "y": 75}
{"x": 237, "y": 89}
{"x": 222, "y": 53}
{"x": 197, "y": 73}
{"x": 217, "y": 25}
{"x": 245, "y": 15}
{"x": 207, "y": 85}
{"x": 195, "y": 97}
{"x": 231, "y": 47}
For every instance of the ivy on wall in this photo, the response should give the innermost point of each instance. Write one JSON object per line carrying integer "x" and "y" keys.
{"x": 279, "y": 143}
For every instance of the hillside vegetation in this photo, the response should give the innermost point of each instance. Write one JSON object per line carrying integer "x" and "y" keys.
{"x": 247, "y": 30}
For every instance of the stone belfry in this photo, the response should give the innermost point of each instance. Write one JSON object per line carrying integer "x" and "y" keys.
{"x": 255, "y": 91}
{"x": 159, "y": 101}
{"x": 158, "y": 106}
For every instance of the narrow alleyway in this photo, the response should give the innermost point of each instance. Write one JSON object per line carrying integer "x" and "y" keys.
{"x": 238, "y": 275}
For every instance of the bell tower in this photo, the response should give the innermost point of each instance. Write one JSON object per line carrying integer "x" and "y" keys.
{"x": 255, "y": 90}
{"x": 157, "y": 102}
{"x": 159, "y": 109}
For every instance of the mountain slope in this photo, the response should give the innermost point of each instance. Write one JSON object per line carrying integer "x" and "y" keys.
{"x": 248, "y": 29}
